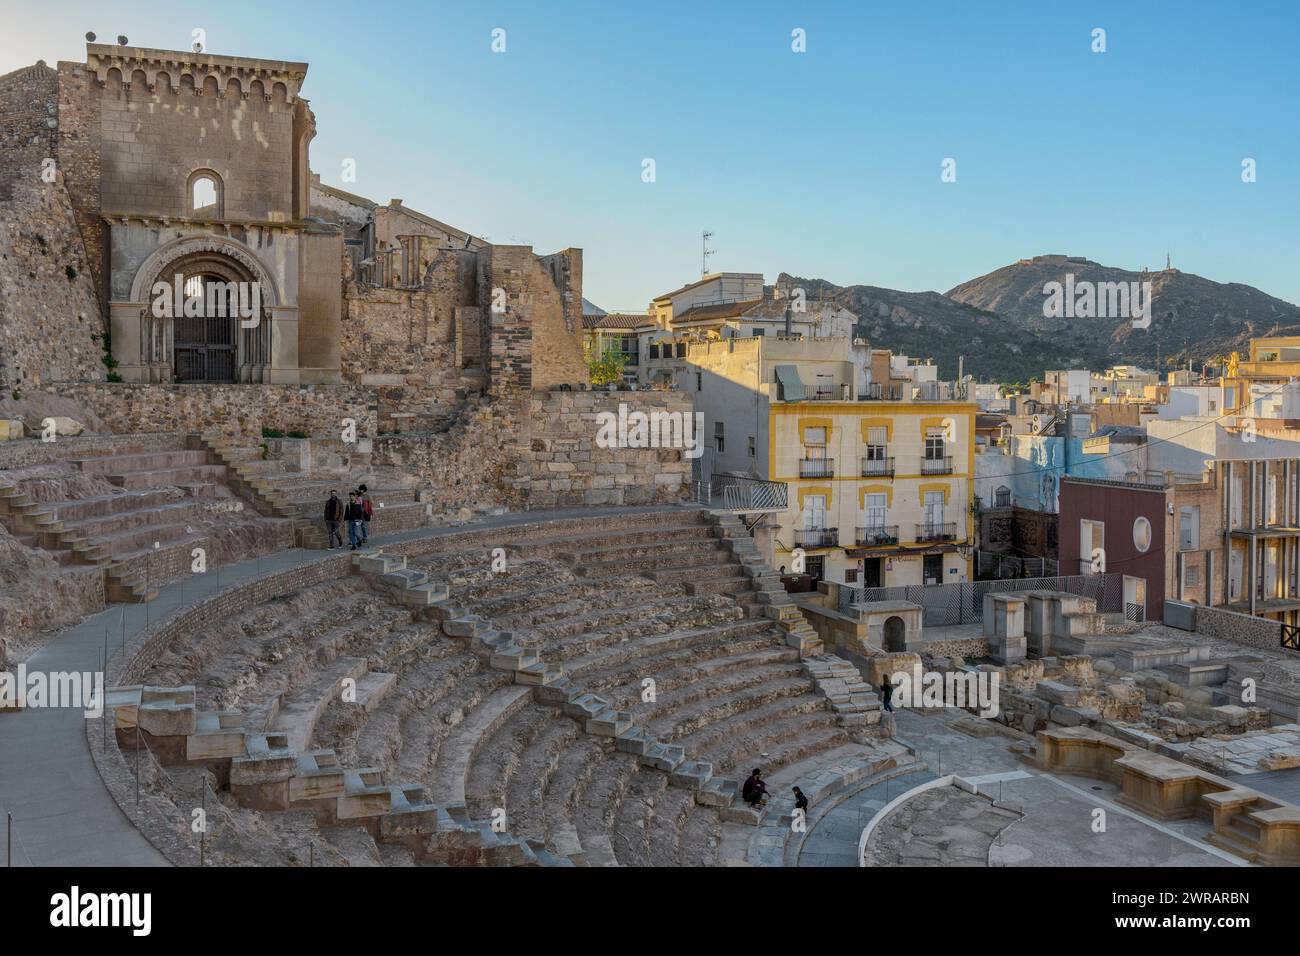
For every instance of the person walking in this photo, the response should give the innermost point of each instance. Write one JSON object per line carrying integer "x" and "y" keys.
{"x": 369, "y": 512}
{"x": 887, "y": 693}
{"x": 354, "y": 514}
{"x": 333, "y": 516}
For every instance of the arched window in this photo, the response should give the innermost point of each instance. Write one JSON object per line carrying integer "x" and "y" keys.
{"x": 1002, "y": 497}
{"x": 205, "y": 195}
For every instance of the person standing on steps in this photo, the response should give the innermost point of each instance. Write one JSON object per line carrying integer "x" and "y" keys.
{"x": 800, "y": 801}
{"x": 354, "y": 515}
{"x": 887, "y": 693}
{"x": 333, "y": 516}
{"x": 363, "y": 496}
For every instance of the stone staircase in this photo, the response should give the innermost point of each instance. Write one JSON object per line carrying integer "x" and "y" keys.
{"x": 248, "y": 473}
{"x": 769, "y": 591}
{"x": 521, "y": 689}
{"x": 277, "y": 490}
{"x": 851, "y": 698}
{"x": 267, "y": 772}
{"x": 145, "y": 526}
{"x": 499, "y": 651}
{"x": 691, "y": 558}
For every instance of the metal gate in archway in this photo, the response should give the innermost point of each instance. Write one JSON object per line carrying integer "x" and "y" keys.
{"x": 204, "y": 348}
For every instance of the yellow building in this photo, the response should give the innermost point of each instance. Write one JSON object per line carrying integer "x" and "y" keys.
{"x": 878, "y": 471}
{"x": 880, "y": 491}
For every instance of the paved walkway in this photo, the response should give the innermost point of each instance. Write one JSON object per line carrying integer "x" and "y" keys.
{"x": 1060, "y": 810}
{"x": 833, "y": 839}
{"x": 62, "y": 813}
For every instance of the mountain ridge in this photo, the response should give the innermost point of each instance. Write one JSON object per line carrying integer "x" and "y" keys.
{"x": 998, "y": 321}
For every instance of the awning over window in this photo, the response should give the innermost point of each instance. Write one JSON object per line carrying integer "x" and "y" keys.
{"x": 791, "y": 387}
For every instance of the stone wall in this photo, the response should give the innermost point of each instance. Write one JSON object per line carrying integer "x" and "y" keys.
{"x": 49, "y": 312}
{"x": 239, "y": 412}
{"x": 80, "y": 163}
{"x": 544, "y": 456}
{"x": 402, "y": 341}
{"x": 567, "y": 466}
{"x": 1239, "y": 628}
{"x": 535, "y": 338}
{"x": 28, "y": 124}
{"x": 472, "y": 463}
{"x": 966, "y": 647}
{"x": 149, "y": 136}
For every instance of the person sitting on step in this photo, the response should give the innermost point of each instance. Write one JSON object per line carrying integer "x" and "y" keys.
{"x": 755, "y": 790}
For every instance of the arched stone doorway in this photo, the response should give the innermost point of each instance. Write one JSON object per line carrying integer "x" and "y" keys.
{"x": 206, "y": 346}
{"x": 895, "y": 634}
{"x": 213, "y": 343}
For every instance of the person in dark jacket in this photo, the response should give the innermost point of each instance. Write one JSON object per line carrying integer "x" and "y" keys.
{"x": 886, "y": 693}
{"x": 800, "y": 801}
{"x": 354, "y": 515}
{"x": 754, "y": 789}
{"x": 363, "y": 496}
{"x": 333, "y": 517}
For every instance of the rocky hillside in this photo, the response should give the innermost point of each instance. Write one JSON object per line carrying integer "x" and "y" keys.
{"x": 997, "y": 320}
{"x": 931, "y": 325}
{"x": 1191, "y": 317}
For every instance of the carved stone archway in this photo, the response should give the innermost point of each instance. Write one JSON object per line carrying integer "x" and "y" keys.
{"x": 145, "y": 344}
{"x": 216, "y": 250}
{"x": 895, "y": 634}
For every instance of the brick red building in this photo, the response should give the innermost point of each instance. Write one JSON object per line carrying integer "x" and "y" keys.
{"x": 1124, "y": 524}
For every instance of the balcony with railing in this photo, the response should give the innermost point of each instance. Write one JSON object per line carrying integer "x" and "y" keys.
{"x": 876, "y": 392}
{"x": 937, "y": 466}
{"x": 817, "y": 538}
{"x": 877, "y": 536}
{"x": 817, "y": 468}
{"x": 936, "y": 531}
{"x": 823, "y": 393}
{"x": 744, "y": 495}
{"x": 877, "y": 468}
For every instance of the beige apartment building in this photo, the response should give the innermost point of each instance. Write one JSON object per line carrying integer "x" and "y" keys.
{"x": 879, "y": 482}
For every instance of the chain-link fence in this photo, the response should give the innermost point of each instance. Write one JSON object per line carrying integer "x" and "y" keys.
{"x": 950, "y": 604}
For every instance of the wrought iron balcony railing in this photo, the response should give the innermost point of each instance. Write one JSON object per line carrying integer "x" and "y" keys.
{"x": 877, "y": 536}
{"x": 937, "y": 466}
{"x": 817, "y": 538}
{"x": 875, "y": 392}
{"x": 817, "y": 468}
{"x": 747, "y": 495}
{"x": 877, "y": 468}
{"x": 937, "y": 531}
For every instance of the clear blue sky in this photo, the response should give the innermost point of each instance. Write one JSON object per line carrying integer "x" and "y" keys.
{"x": 825, "y": 163}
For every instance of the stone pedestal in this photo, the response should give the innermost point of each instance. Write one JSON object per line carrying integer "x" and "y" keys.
{"x": 1004, "y": 627}
{"x": 892, "y": 626}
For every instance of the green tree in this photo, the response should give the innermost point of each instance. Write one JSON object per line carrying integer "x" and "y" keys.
{"x": 605, "y": 368}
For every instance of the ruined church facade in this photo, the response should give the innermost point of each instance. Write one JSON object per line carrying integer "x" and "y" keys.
{"x": 186, "y": 170}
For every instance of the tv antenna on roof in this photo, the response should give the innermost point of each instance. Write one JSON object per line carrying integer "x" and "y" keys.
{"x": 705, "y": 252}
